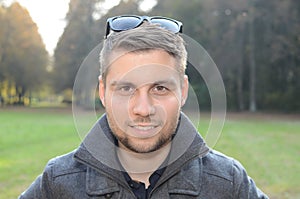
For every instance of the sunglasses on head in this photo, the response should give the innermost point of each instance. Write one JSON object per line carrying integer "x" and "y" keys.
{"x": 128, "y": 22}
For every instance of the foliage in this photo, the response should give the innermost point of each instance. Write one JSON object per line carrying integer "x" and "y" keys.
{"x": 82, "y": 33}
{"x": 23, "y": 58}
{"x": 75, "y": 43}
{"x": 255, "y": 45}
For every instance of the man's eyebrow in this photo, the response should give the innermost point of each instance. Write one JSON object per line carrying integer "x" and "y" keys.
{"x": 170, "y": 82}
{"x": 118, "y": 83}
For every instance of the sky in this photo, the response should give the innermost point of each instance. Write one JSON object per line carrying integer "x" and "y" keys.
{"x": 49, "y": 16}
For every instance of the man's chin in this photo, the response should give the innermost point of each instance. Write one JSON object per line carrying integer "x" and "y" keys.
{"x": 144, "y": 146}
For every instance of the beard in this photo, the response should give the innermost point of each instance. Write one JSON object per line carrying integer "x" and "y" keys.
{"x": 144, "y": 145}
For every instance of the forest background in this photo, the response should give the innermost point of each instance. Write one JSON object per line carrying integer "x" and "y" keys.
{"x": 255, "y": 45}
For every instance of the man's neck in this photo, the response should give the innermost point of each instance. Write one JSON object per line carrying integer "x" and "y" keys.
{"x": 140, "y": 166}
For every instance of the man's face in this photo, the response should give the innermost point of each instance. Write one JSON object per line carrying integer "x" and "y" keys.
{"x": 142, "y": 96}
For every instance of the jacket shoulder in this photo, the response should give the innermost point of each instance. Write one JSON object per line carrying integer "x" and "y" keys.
{"x": 229, "y": 174}
{"x": 57, "y": 179}
{"x": 220, "y": 165}
{"x": 65, "y": 165}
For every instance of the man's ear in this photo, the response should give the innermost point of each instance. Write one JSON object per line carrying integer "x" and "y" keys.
{"x": 184, "y": 90}
{"x": 101, "y": 90}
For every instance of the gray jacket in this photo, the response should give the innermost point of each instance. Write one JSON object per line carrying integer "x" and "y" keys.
{"x": 193, "y": 171}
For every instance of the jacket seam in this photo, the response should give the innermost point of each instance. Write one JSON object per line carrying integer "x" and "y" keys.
{"x": 219, "y": 176}
{"x": 68, "y": 173}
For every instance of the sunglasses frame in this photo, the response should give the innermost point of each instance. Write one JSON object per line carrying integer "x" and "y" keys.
{"x": 142, "y": 19}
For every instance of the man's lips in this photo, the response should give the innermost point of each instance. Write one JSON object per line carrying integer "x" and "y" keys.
{"x": 144, "y": 130}
{"x": 144, "y": 127}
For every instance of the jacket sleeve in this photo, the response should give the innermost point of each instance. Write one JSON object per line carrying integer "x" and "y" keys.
{"x": 41, "y": 187}
{"x": 244, "y": 186}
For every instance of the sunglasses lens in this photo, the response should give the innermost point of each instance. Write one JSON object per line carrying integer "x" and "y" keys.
{"x": 167, "y": 24}
{"x": 124, "y": 23}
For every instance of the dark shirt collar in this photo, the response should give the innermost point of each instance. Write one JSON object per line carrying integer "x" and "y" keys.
{"x": 139, "y": 189}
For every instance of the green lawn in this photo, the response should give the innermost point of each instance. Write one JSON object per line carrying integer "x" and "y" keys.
{"x": 267, "y": 146}
{"x": 28, "y": 139}
{"x": 269, "y": 149}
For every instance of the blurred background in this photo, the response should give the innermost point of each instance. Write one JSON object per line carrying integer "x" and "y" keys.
{"x": 254, "y": 43}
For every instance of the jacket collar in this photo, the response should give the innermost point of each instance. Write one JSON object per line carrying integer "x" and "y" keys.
{"x": 97, "y": 151}
{"x": 187, "y": 145}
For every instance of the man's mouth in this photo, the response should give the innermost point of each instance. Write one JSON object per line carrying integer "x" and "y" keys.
{"x": 144, "y": 127}
{"x": 144, "y": 130}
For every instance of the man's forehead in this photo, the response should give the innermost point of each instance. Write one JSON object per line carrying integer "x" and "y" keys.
{"x": 118, "y": 54}
{"x": 143, "y": 68}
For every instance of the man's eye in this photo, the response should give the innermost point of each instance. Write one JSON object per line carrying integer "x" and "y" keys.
{"x": 126, "y": 90}
{"x": 160, "y": 90}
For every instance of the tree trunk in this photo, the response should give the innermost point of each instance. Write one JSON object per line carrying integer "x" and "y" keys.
{"x": 240, "y": 72}
{"x": 252, "y": 78}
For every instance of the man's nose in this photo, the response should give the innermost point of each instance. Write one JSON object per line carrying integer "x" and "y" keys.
{"x": 142, "y": 104}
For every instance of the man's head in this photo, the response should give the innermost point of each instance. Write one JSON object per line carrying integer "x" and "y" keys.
{"x": 143, "y": 85}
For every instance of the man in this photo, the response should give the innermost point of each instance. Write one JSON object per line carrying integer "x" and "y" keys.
{"x": 144, "y": 146}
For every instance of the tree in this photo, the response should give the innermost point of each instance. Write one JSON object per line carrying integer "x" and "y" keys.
{"x": 256, "y": 48}
{"x": 279, "y": 34}
{"x": 75, "y": 43}
{"x": 83, "y": 32}
{"x": 2, "y": 40}
{"x": 24, "y": 58}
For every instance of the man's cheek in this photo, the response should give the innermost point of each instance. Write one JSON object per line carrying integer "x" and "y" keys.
{"x": 119, "y": 107}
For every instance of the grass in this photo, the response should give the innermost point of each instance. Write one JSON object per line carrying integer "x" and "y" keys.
{"x": 267, "y": 147}
{"x": 28, "y": 139}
